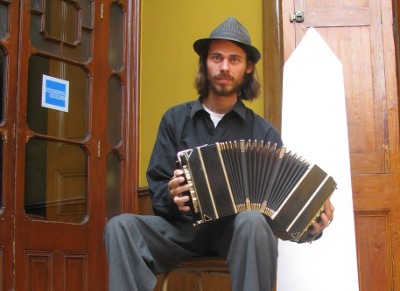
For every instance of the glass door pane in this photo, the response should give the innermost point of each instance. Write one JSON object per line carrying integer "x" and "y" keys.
{"x": 42, "y": 120}
{"x": 55, "y": 181}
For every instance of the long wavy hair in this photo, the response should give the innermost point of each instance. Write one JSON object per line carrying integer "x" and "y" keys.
{"x": 250, "y": 89}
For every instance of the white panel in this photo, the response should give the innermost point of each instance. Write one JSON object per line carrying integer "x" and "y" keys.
{"x": 314, "y": 125}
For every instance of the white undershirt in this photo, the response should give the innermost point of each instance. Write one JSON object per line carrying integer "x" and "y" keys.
{"x": 215, "y": 117}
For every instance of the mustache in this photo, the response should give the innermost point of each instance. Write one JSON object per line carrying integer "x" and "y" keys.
{"x": 226, "y": 76}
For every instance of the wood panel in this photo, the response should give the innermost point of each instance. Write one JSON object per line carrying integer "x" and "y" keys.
{"x": 75, "y": 271}
{"x": 41, "y": 274}
{"x": 373, "y": 244}
{"x": 39, "y": 270}
{"x": 364, "y": 74}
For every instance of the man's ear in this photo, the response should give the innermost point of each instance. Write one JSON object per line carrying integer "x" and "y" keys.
{"x": 250, "y": 67}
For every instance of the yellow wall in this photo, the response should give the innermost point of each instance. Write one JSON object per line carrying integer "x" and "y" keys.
{"x": 168, "y": 62}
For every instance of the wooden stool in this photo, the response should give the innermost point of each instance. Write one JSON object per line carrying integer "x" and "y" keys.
{"x": 197, "y": 266}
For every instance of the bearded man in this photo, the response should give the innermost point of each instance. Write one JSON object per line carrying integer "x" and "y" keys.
{"x": 139, "y": 247}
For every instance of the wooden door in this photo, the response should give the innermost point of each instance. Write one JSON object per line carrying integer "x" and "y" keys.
{"x": 75, "y": 168}
{"x": 360, "y": 32}
{"x": 8, "y": 90}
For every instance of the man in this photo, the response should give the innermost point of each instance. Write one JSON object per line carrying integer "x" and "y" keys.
{"x": 140, "y": 246}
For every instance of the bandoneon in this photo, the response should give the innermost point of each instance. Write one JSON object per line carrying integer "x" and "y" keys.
{"x": 229, "y": 177}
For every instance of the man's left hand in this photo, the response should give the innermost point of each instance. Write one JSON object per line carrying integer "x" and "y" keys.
{"x": 325, "y": 219}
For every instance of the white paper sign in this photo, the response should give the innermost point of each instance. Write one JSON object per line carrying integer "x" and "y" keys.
{"x": 314, "y": 125}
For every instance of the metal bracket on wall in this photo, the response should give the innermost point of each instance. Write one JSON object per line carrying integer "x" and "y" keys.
{"x": 297, "y": 16}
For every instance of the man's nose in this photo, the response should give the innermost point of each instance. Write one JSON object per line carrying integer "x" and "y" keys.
{"x": 225, "y": 65}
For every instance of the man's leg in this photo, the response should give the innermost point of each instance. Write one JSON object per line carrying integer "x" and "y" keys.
{"x": 139, "y": 247}
{"x": 252, "y": 255}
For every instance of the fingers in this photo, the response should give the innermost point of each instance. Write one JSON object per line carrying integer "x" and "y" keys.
{"x": 325, "y": 218}
{"x": 180, "y": 202}
{"x": 175, "y": 182}
{"x": 329, "y": 209}
{"x": 176, "y": 188}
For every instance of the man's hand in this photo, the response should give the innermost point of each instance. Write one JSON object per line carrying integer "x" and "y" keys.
{"x": 326, "y": 218}
{"x": 176, "y": 189}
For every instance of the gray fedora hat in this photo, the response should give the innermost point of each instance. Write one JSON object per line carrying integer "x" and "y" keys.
{"x": 231, "y": 29}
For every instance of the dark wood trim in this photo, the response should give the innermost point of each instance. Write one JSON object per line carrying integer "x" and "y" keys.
{"x": 273, "y": 60}
{"x": 130, "y": 200}
{"x": 144, "y": 201}
{"x": 143, "y": 191}
{"x": 396, "y": 28}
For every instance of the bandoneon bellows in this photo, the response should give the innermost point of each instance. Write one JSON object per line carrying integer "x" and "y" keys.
{"x": 228, "y": 177}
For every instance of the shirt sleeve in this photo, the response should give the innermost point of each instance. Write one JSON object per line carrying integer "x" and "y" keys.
{"x": 161, "y": 167}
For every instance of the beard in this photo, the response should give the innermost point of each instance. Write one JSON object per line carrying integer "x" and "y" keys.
{"x": 225, "y": 89}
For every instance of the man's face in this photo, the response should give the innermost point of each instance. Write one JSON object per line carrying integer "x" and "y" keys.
{"x": 226, "y": 67}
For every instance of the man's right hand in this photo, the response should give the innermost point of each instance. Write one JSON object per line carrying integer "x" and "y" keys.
{"x": 176, "y": 188}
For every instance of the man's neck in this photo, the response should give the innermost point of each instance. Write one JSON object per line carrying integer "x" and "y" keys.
{"x": 220, "y": 104}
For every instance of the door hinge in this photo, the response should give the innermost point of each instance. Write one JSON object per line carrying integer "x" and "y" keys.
{"x": 297, "y": 16}
{"x": 101, "y": 10}
{"x": 98, "y": 149}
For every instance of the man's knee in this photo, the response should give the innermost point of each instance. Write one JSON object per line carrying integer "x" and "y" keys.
{"x": 252, "y": 223}
{"x": 247, "y": 218}
{"x": 118, "y": 223}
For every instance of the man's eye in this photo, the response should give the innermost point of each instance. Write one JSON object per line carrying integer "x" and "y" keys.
{"x": 216, "y": 58}
{"x": 234, "y": 60}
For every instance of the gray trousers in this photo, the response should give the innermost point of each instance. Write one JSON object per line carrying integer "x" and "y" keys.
{"x": 139, "y": 247}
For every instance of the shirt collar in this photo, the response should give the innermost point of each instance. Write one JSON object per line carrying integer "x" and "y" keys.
{"x": 239, "y": 108}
